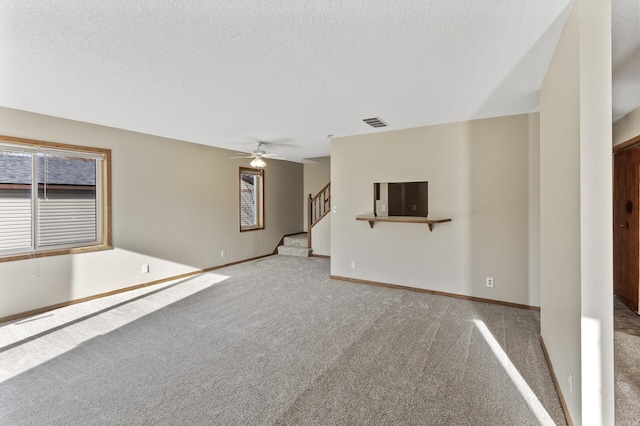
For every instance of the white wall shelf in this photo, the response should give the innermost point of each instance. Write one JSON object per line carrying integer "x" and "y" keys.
{"x": 400, "y": 219}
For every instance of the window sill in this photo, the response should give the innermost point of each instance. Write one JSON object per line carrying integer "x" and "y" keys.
{"x": 257, "y": 228}
{"x": 49, "y": 253}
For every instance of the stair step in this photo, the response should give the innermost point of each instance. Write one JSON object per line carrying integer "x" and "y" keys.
{"x": 294, "y": 251}
{"x": 298, "y": 240}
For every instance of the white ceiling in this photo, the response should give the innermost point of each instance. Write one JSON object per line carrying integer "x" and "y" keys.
{"x": 228, "y": 73}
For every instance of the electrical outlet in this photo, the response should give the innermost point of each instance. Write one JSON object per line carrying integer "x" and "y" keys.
{"x": 489, "y": 281}
{"x": 222, "y": 253}
{"x": 145, "y": 269}
{"x": 335, "y": 209}
{"x": 570, "y": 379}
{"x": 353, "y": 264}
{"x": 384, "y": 208}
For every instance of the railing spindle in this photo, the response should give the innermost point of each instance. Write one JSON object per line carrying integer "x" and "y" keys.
{"x": 319, "y": 205}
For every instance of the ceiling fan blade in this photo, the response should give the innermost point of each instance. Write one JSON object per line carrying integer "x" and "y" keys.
{"x": 270, "y": 155}
{"x": 244, "y": 156}
{"x": 279, "y": 141}
{"x": 294, "y": 160}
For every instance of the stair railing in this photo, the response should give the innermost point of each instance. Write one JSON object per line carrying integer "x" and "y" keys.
{"x": 317, "y": 208}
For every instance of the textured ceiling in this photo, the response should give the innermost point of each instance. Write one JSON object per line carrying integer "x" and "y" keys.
{"x": 228, "y": 73}
{"x": 625, "y": 45}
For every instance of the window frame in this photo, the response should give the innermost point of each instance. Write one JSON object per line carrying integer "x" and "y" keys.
{"x": 259, "y": 204}
{"x": 103, "y": 199}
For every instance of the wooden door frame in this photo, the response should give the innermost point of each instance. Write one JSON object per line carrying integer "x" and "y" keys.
{"x": 631, "y": 143}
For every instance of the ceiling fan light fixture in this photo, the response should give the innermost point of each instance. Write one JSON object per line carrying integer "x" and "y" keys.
{"x": 258, "y": 162}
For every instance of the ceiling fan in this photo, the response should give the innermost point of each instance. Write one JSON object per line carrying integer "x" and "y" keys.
{"x": 259, "y": 155}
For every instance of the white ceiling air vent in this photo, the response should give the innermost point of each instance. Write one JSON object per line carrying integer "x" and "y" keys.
{"x": 375, "y": 122}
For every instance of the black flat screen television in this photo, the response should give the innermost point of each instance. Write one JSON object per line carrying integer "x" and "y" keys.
{"x": 401, "y": 199}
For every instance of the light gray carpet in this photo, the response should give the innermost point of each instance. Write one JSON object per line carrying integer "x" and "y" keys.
{"x": 627, "y": 365}
{"x": 277, "y": 342}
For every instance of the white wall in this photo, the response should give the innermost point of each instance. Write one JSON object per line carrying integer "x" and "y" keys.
{"x": 175, "y": 207}
{"x": 478, "y": 173}
{"x": 575, "y": 213}
{"x": 628, "y": 127}
{"x": 321, "y": 237}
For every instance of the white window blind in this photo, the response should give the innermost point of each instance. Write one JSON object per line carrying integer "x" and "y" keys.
{"x": 15, "y": 219}
{"x": 248, "y": 200}
{"x": 65, "y": 219}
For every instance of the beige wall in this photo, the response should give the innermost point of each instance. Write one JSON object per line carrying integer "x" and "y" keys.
{"x": 575, "y": 213}
{"x": 175, "y": 207}
{"x": 478, "y": 173}
{"x": 628, "y": 127}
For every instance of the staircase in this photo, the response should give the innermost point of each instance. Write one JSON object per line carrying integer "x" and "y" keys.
{"x": 295, "y": 245}
{"x": 317, "y": 208}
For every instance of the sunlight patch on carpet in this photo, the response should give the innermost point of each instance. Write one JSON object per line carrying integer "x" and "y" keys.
{"x": 22, "y": 342}
{"x": 531, "y": 399}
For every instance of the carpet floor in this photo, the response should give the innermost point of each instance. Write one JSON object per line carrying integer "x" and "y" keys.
{"x": 276, "y": 342}
{"x": 627, "y": 364}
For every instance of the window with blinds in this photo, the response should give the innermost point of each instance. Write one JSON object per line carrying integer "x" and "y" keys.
{"x": 50, "y": 198}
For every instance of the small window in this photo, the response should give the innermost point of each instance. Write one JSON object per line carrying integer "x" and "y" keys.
{"x": 53, "y": 199}
{"x": 251, "y": 199}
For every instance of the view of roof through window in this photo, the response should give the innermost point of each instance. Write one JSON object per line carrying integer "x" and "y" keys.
{"x": 16, "y": 168}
